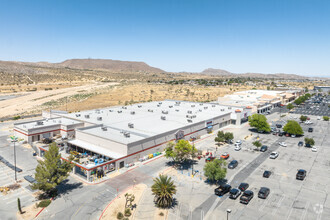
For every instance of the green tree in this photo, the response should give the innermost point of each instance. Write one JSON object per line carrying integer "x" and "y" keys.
{"x": 303, "y": 118}
{"x": 52, "y": 171}
{"x": 169, "y": 151}
{"x": 220, "y": 137}
{"x": 325, "y": 118}
{"x": 290, "y": 106}
{"x": 163, "y": 189}
{"x": 215, "y": 170}
{"x": 257, "y": 144}
{"x": 259, "y": 122}
{"x": 309, "y": 141}
{"x": 306, "y": 89}
{"x": 293, "y": 127}
{"x": 229, "y": 136}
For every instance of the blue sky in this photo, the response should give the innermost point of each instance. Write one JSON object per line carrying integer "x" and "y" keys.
{"x": 268, "y": 36}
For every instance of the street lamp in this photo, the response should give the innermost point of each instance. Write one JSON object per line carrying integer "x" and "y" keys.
{"x": 228, "y": 211}
{"x": 14, "y": 139}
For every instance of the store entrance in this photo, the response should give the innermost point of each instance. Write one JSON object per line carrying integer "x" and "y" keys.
{"x": 121, "y": 164}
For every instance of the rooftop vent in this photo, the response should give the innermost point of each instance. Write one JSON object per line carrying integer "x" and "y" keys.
{"x": 99, "y": 118}
{"x": 130, "y": 125}
{"x": 200, "y": 103}
{"x": 200, "y": 110}
{"x": 124, "y": 107}
{"x": 189, "y": 112}
{"x": 86, "y": 116}
{"x": 213, "y": 106}
{"x": 222, "y": 109}
{"x": 165, "y": 112}
{"x": 127, "y": 134}
{"x": 163, "y": 117}
{"x": 160, "y": 103}
{"x": 139, "y": 106}
{"x": 150, "y": 110}
{"x": 132, "y": 112}
{"x": 170, "y": 106}
{"x": 192, "y": 105}
{"x": 77, "y": 115}
{"x": 104, "y": 128}
{"x": 189, "y": 120}
{"x": 110, "y": 110}
{"x": 229, "y": 107}
{"x": 176, "y": 110}
{"x": 177, "y": 102}
{"x": 120, "y": 111}
{"x": 40, "y": 122}
{"x": 193, "y": 116}
{"x": 205, "y": 107}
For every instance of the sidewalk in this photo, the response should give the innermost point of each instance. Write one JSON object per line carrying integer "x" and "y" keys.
{"x": 146, "y": 208}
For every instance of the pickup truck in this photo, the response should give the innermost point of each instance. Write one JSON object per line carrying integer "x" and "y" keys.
{"x": 221, "y": 190}
{"x": 246, "y": 197}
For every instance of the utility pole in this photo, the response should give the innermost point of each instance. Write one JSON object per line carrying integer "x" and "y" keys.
{"x": 14, "y": 139}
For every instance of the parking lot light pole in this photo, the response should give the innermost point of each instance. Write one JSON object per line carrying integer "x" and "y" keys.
{"x": 14, "y": 139}
{"x": 228, "y": 211}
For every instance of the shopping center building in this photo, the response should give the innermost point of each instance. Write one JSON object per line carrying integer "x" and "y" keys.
{"x": 104, "y": 140}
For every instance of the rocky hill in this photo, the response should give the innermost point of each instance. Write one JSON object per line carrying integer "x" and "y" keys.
{"x": 111, "y": 65}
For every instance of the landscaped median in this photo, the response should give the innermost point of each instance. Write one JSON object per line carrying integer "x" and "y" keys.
{"x": 121, "y": 203}
{"x": 34, "y": 210}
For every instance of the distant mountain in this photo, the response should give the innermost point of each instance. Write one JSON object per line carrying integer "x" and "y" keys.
{"x": 220, "y": 72}
{"x": 211, "y": 71}
{"x": 111, "y": 65}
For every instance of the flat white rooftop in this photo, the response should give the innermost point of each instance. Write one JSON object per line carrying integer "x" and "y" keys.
{"x": 147, "y": 119}
{"x": 46, "y": 123}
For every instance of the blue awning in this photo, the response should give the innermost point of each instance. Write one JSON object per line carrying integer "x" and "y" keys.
{"x": 209, "y": 127}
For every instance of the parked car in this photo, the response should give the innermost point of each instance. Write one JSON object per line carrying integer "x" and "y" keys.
{"x": 300, "y": 144}
{"x": 232, "y": 164}
{"x": 225, "y": 156}
{"x": 263, "y": 192}
{"x": 281, "y": 134}
{"x": 237, "y": 147}
{"x": 273, "y": 155}
{"x": 263, "y": 148}
{"x": 221, "y": 190}
{"x": 267, "y": 174}
{"x": 283, "y": 144}
{"x": 234, "y": 193}
{"x": 314, "y": 149}
{"x": 301, "y": 174}
{"x": 318, "y": 118}
{"x": 278, "y": 125}
{"x": 310, "y": 129}
{"x": 246, "y": 197}
{"x": 293, "y": 135}
{"x": 238, "y": 142}
{"x": 308, "y": 145}
{"x": 243, "y": 186}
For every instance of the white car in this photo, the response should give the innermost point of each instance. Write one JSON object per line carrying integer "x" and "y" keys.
{"x": 238, "y": 142}
{"x": 283, "y": 144}
{"x": 314, "y": 149}
{"x": 318, "y": 118}
{"x": 308, "y": 122}
{"x": 273, "y": 155}
{"x": 237, "y": 147}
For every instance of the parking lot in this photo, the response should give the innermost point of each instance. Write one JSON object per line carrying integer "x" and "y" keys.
{"x": 311, "y": 108}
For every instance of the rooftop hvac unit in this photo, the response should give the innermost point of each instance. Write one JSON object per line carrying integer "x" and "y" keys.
{"x": 229, "y": 107}
{"x": 97, "y": 111}
{"x": 200, "y": 103}
{"x": 160, "y": 103}
{"x": 40, "y": 123}
{"x": 110, "y": 110}
{"x": 139, "y": 106}
{"x": 104, "y": 128}
{"x": 86, "y": 116}
{"x": 189, "y": 120}
{"x": 189, "y": 112}
{"x": 192, "y": 105}
{"x": 127, "y": 134}
{"x": 170, "y": 106}
{"x": 222, "y": 109}
{"x": 124, "y": 107}
{"x": 120, "y": 111}
{"x": 130, "y": 125}
{"x": 150, "y": 110}
{"x": 99, "y": 118}
{"x": 121, "y": 131}
{"x": 165, "y": 112}
{"x": 213, "y": 106}
{"x": 177, "y": 103}
{"x": 200, "y": 110}
{"x": 176, "y": 110}
{"x": 163, "y": 117}
{"x": 194, "y": 116}
{"x": 205, "y": 107}
{"x": 132, "y": 112}
{"x": 77, "y": 115}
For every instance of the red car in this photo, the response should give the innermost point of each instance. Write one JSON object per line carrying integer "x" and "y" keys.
{"x": 225, "y": 156}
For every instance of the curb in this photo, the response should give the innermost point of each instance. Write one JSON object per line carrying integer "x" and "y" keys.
{"x": 125, "y": 190}
{"x": 51, "y": 199}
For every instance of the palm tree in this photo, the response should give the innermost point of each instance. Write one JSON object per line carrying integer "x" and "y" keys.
{"x": 163, "y": 189}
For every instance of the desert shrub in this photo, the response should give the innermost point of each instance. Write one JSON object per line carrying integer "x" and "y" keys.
{"x": 120, "y": 215}
{"x": 44, "y": 203}
{"x": 128, "y": 212}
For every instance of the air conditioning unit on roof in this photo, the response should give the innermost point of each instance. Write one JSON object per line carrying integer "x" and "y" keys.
{"x": 99, "y": 118}
{"x": 163, "y": 117}
{"x": 104, "y": 128}
{"x": 86, "y": 116}
{"x": 130, "y": 125}
{"x": 132, "y": 112}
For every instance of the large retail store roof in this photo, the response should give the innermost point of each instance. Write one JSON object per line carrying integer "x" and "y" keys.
{"x": 147, "y": 119}
{"x": 46, "y": 123}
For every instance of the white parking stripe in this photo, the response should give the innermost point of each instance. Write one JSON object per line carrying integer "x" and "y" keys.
{"x": 265, "y": 203}
{"x": 278, "y": 204}
{"x": 291, "y": 208}
{"x": 305, "y": 211}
